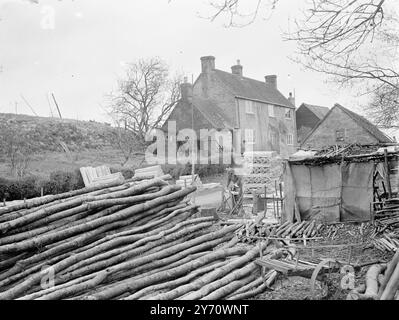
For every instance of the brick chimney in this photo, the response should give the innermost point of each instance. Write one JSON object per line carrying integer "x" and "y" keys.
{"x": 237, "y": 69}
{"x": 186, "y": 90}
{"x": 271, "y": 80}
{"x": 207, "y": 64}
{"x": 291, "y": 99}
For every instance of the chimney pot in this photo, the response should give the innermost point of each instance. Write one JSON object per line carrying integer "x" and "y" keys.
{"x": 207, "y": 64}
{"x": 237, "y": 69}
{"x": 291, "y": 99}
{"x": 271, "y": 80}
{"x": 186, "y": 90}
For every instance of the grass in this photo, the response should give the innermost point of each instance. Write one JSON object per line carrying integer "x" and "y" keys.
{"x": 43, "y": 164}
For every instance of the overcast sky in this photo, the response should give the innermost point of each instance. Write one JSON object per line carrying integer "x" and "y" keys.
{"x": 81, "y": 55}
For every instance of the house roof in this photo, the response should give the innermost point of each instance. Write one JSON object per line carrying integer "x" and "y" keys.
{"x": 361, "y": 121}
{"x": 213, "y": 113}
{"x": 252, "y": 89}
{"x": 318, "y": 111}
{"x": 367, "y": 125}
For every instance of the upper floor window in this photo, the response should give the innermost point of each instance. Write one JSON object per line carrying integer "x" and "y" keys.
{"x": 288, "y": 114}
{"x": 340, "y": 135}
{"x": 290, "y": 139}
{"x": 249, "y": 107}
{"x": 271, "y": 110}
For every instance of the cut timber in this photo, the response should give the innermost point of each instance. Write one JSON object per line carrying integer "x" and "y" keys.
{"x": 155, "y": 171}
{"x": 99, "y": 175}
{"x": 372, "y": 280}
{"x": 388, "y": 273}
{"x": 392, "y": 285}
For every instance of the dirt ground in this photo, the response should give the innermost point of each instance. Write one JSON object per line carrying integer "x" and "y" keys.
{"x": 298, "y": 288}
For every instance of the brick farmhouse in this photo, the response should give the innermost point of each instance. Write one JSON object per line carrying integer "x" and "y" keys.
{"x": 255, "y": 112}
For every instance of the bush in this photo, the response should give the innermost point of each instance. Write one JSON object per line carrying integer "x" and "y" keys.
{"x": 126, "y": 172}
{"x": 203, "y": 170}
{"x": 66, "y": 181}
{"x": 31, "y": 186}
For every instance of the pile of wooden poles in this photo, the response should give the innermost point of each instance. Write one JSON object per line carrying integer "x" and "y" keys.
{"x": 287, "y": 230}
{"x": 138, "y": 240}
{"x": 385, "y": 236}
{"x": 381, "y": 282}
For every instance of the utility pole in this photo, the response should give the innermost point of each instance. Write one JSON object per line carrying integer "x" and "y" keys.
{"x": 56, "y": 104}
{"x": 49, "y": 105}
{"x": 30, "y": 107}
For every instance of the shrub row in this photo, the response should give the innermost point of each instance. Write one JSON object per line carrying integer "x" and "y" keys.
{"x": 203, "y": 170}
{"x": 58, "y": 182}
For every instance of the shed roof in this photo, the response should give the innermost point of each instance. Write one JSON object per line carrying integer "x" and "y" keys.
{"x": 318, "y": 111}
{"x": 361, "y": 121}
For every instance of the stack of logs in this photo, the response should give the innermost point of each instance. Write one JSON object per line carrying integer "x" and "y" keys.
{"x": 381, "y": 283}
{"x": 288, "y": 230}
{"x": 139, "y": 240}
{"x": 386, "y": 234}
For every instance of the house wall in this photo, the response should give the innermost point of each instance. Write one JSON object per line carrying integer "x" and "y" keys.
{"x": 209, "y": 86}
{"x": 325, "y": 134}
{"x": 184, "y": 114}
{"x": 265, "y": 126}
{"x": 306, "y": 120}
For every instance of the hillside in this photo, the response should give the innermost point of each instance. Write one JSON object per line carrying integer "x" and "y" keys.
{"x": 49, "y": 134}
{"x": 62, "y": 144}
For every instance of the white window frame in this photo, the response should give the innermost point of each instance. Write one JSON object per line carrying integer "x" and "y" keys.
{"x": 290, "y": 139}
{"x": 271, "y": 111}
{"x": 249, "y": 107}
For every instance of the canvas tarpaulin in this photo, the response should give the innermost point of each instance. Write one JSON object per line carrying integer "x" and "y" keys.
{"x": 331, "y": 192}
{"x": 357, "y": 190}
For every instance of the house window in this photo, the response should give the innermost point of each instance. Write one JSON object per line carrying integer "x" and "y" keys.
{"x": 290, "y": 139}
{"x": 249, "y": 107}
{"x": 271, "y": 110}
{"x": 288, "y": 114}
{"x": 340, "y": 135}
{"x": 249, "y": 136}
{"x": 273, "y": 138}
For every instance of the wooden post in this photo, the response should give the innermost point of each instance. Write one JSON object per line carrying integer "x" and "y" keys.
{"x": 281, "y": 196}
{"x": 254, "y": 202}
{"x": 350, "y": 254}
{"x": 265, "y": 201}
{"x": 4, "y": 202}
{"x": 387, "y": 175}
{"x": 41, "y": 192}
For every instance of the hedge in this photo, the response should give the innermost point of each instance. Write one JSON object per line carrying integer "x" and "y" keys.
{"x": 58, "y": 182}
{"x": 203, "y": 170}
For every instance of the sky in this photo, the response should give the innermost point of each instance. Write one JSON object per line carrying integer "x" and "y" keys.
{"x": 77, "y": 49}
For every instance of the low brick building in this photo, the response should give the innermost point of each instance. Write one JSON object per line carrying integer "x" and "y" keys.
{"x": 307, "y": 117}
{"x": 341, "y": 126}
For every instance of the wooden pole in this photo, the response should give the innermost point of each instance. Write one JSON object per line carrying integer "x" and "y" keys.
{"x": 56, "y": 104}
{"x": 387, "y": 175}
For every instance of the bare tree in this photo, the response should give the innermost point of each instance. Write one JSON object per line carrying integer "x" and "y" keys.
{"x": 384, "y": 107}
{"x": 125, "y": 141}
{"x": 354, "y": 41}
{"x": 145, "y": 96}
